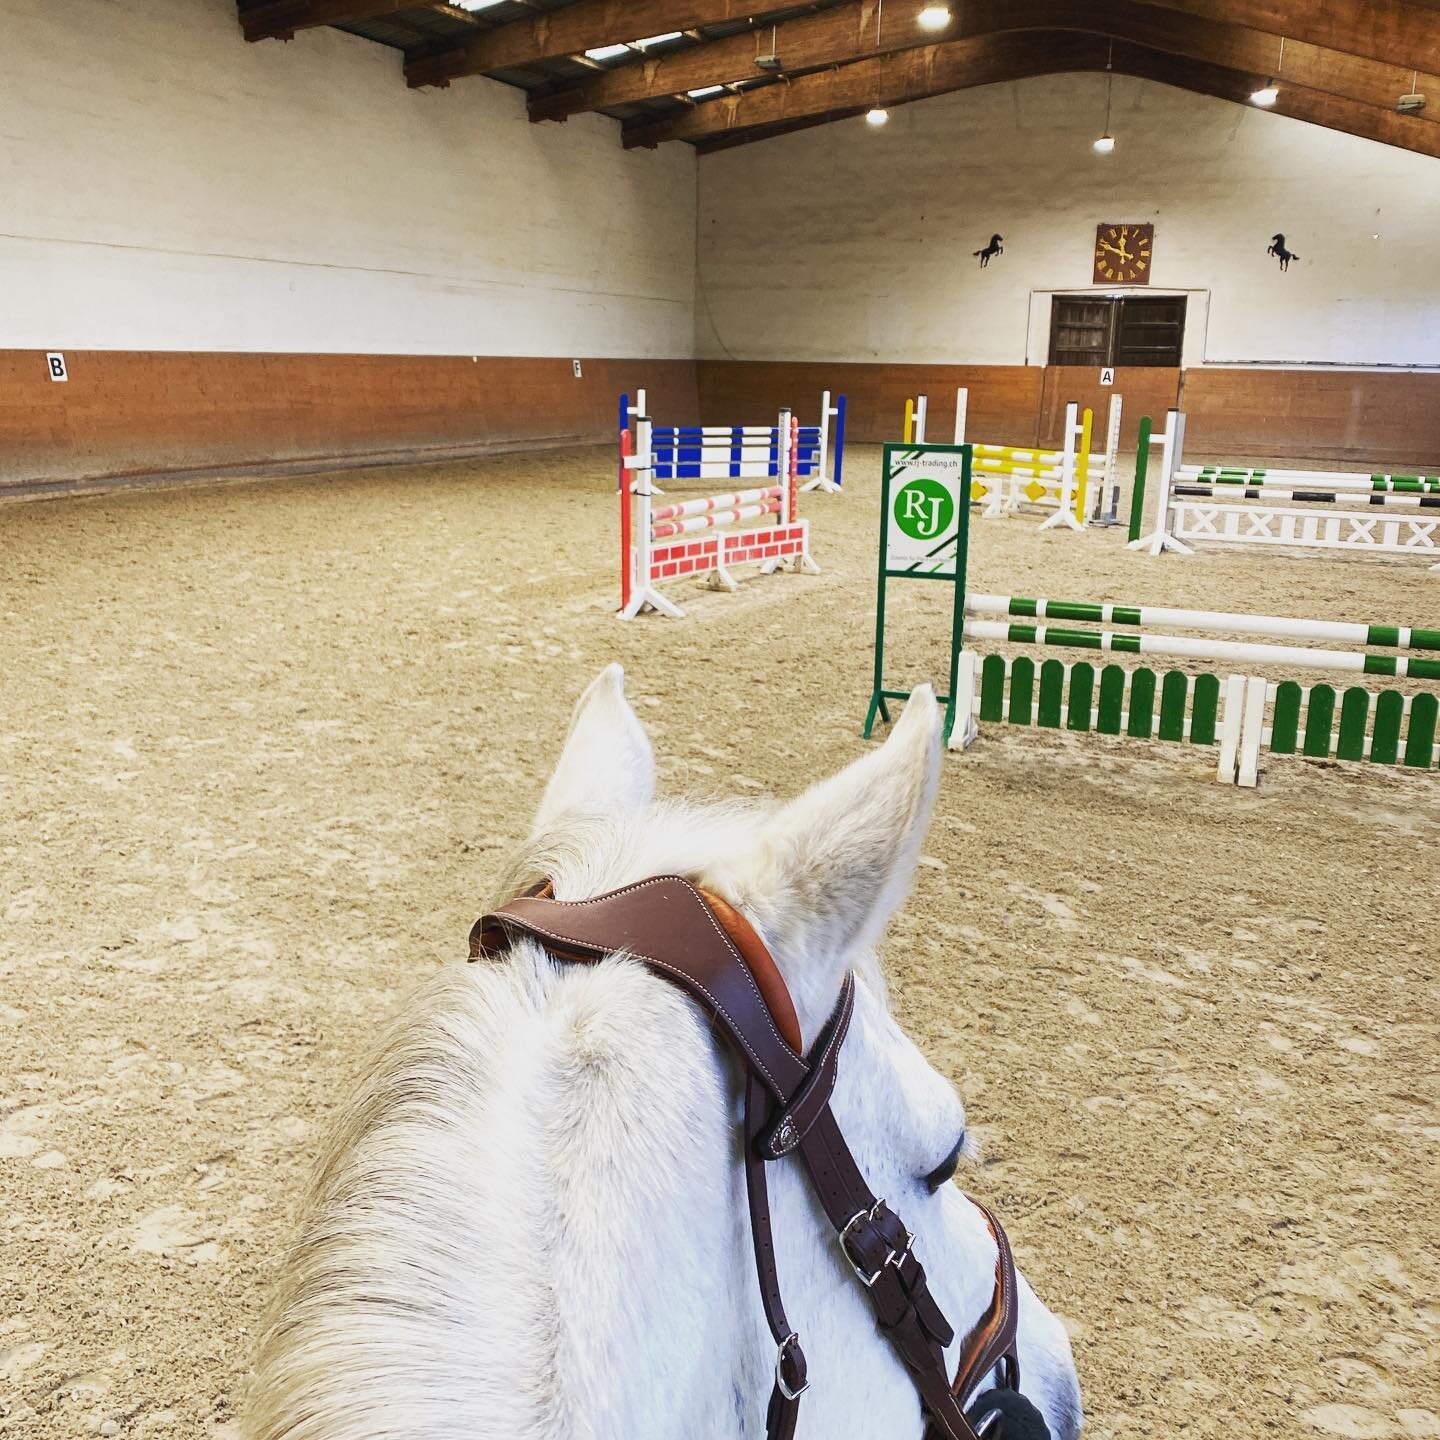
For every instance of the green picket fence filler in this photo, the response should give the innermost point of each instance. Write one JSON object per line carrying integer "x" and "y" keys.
{"x": 1318, "y": 721}
{"x": 1123, "y": 702}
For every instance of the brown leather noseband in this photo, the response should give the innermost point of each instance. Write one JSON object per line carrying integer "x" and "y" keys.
{"x": 711, "y": 951}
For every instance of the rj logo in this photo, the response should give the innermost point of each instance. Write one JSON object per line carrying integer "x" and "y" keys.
{"x": 924, "y": 509}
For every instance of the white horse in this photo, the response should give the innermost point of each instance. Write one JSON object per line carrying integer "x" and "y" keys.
{"x": 530, "y": 1223}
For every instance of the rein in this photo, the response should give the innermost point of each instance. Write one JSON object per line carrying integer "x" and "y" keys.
{"x": 706, "y": 947}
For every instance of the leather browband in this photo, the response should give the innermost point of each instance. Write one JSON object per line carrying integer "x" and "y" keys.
{"x": 705, "y": 946}
{"x": 485, "y": 938}
{"x": 773, "y": 989}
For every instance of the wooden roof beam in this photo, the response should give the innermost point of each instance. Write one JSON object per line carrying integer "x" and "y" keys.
{"x": 1240, "y": 47}
{"x": 586, "y": 25}
{"x": 280, "y": 19}
{"x": 1399, "y": 32}
{"x": 847, "y": 33}
{"x": 885, "y": 79}
{"x": 958, "y": 65}
{"x": 1396, "y": 32}
{"x": 827, "y": 37}
{"x": 732, "y": 139}
{"x": 1330, "y": 112}
{"x": 1333, "y": 112}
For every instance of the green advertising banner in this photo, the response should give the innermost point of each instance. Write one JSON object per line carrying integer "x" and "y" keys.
{"x": 924, "y": 535}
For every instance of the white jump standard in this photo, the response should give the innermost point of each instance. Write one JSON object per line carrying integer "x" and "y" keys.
{"x": 824, "y": 465}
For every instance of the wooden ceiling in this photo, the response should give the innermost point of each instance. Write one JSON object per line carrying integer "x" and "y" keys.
{"x": 716, "y": 73}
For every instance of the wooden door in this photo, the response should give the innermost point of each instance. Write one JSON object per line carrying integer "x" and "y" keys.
{"x": 1149, "y": 330}
{"x": 1081, "y": 330}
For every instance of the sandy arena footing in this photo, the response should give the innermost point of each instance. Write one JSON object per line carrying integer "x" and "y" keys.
{"x": 263, "y": 746}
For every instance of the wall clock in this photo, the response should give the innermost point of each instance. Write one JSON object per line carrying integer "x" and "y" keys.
{"x": 1122, "y": 254}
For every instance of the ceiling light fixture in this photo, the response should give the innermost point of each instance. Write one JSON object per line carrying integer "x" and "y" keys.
{"x": 1413, "y": 102}
{"x": 877, "y": 114}
{"x": 771, "y": 60}
{"x": 1269, "y": 92}
{"x": 933, "y": 17}
{"x": 1106, "y": 143}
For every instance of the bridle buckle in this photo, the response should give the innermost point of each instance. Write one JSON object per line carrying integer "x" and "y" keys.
{"x": 894, "y": 1257}
{"x": 792, "y": 1339}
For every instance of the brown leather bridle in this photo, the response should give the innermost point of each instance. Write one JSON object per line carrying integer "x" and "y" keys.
{"x": 706, "y": 947}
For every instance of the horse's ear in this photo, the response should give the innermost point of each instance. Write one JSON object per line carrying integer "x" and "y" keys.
{"x": 606, "y": 763}
{"x": 832, "y": 866}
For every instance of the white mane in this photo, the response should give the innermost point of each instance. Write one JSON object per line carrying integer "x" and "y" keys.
{"x": 530, "y": 1221}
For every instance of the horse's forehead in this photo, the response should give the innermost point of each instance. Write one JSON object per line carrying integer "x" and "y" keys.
{"x": 586, "y": 854}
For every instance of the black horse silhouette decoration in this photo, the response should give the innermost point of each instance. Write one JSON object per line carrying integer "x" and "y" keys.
{"x": 994, "y": 248}
{"x": 1278, "y": 250}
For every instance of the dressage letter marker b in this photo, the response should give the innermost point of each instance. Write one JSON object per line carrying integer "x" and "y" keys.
{"x": 56, "y": 362}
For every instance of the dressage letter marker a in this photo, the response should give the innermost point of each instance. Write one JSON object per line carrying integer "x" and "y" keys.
{"x": 924, "y": 535}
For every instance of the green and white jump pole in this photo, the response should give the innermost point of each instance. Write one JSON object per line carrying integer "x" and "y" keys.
{"x": 1331, "y": 479}
{"x": 1159, "y": 617}
{"x": 1196, "y": 503}
{"x": 1189, "y": 647}
{"x": 1383, "y": 498}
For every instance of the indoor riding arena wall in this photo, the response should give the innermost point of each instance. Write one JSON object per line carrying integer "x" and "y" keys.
{"x": 1357, "y": 417}
{"x": 125, "y": 414}
{"x": 255, "y": 255}
{"x": 135, "y": 413}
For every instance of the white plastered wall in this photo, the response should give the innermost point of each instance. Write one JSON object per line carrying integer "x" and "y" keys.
{"x": 851, "y": 243}
{"x": 167, "y": 186}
